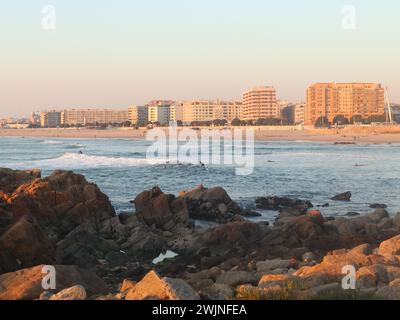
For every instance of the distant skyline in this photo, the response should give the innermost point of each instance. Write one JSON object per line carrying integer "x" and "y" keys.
{"x": 115, "y": 54}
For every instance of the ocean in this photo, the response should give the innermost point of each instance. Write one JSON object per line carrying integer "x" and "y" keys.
{"x": 307, "y": 170}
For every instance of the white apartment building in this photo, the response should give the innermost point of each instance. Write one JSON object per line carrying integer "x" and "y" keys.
{"x": 205, "y": 110}
{"x": 94, "y": 116}
{"x": 260, "y": 103}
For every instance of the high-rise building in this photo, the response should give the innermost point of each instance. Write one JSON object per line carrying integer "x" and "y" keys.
{"x": 50, "y": 119}
{"x": 176, "y": 112}
{"x": 260, "y": 103}
{"x": 138, "y": 115}
{"x": 205, "y": 110}
{"x": 93, "y": 116}
{"x": 299, "y": 109}
{"x": 326, "y": 101}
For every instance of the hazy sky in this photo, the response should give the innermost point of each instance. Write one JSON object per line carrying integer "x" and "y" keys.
{"x": 115, "y": 53}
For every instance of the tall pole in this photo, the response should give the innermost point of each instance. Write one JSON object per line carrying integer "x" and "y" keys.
{"x": 389, "y": 106}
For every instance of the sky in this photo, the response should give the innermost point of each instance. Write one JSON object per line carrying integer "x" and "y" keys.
{"x": 104, "y": 53}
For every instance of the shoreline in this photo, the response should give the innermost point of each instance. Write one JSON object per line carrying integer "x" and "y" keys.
{"x": 363, "y": 135}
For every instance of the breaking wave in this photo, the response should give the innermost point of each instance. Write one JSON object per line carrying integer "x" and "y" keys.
{"x": 77, "y": 161}
{"x": 52, "y": 142}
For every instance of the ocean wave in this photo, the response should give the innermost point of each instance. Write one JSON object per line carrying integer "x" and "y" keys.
{"x": 52, "y": 142}
{"x": 75, "y": 146}
{"x": 78, "y": 161}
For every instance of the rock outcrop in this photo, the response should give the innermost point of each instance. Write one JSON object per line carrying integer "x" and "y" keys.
{"x": 346, "y": 196}
{"x": 152, "y": 286}
{"x": 155, "y": 208}
{"x": 213, "y": 205}
{"x": 26, "y": 284}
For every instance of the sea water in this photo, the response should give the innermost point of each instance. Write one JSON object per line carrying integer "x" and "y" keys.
{"x": 308, "y": 170}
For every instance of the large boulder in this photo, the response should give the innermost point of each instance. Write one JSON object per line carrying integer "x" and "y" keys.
{"x": 152, "y": 286}
{"x": 213, "y": 205}
{"x": 331, "y": 267}
{"x": 346, "y": 196}
{"x": 26, "y": 245}
{"x": 26, "y": 284}
{"x": 74, "y": 293}
{"x": 60, "y": 203}
{"x": 390, "y": 247}
{"x": 85, "y": 249}
{"x": 155, "y": 208}
{"x": 278, "y": 203}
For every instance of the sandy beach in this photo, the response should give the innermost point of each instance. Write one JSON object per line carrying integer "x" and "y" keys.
{"x": 358, "y": 134}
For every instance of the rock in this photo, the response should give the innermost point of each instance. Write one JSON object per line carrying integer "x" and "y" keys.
{"x": 232, "y": 236}
{"x": 218, "y": 291}
{"x": 390, "y": 292}
{"x": 26, "y": 284}
{"x": 235, "y": 278}
{"x": 378, "y": 206}
{"x": 247, "y": 292}
{"x": 283, "y": 280}
{"x": 316, "y": 216}
{"x": 12, "y": 179}
{"x": 277, "y": 203}
{"x": 390, "y": 247}
{"x": 352, "y": 214}
{"x": 213, "y": 205}
{"x": 74, "y": 293}
{"x": 269, "y": 265}
{"x": 6, "y": 219}
{"x": 396, "y": 220}
{"x": 60, "y": 203}
{"x": 154, "y": 208}
{"x": 86, "y": 249}
{"x": 342, "y": 197}
{"x": 127, "y": 285}
{"x": 324, "y": 291}
{"x": 143, "y": 244}
{"x": 46, "y": 295}
{"x": 153, "y": 286}
{"x": 308, "y": 257}
{"x": 25, "y": 245}
{"x": 330, "y": 269}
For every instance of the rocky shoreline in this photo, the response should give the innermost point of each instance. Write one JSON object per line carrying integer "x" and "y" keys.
{"x": 66, "y": 222}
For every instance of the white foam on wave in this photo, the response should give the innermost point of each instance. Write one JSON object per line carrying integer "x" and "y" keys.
{"x": 76, "y": 161}
{"x": 52, "y": 142}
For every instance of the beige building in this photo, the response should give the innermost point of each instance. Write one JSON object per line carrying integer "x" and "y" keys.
{"x": 299, "y": 110}
{"x": 51, "y": 119}
{"x": 176, "y": 112}
{"x": 94, "y": 116}
{"x": 260, "y": 103}
{"x": 138, "y": 115}
{"x": 205, "y": 110}
{"x": 328, "y": 100}
{"x": 159, "y": 113}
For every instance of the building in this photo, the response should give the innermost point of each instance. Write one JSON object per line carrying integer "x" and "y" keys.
{"x": 205, "y": 110}
{"x": 299, "y": 110}
{"x": 260, "y": 103}
{"x": 288, "y": 114}
{"x": 326, "y": 101}
{"x": 50, "y": 119}
{"x": 176, "y": 112}
{"x": 138, "y": 115}
{"x": 84, "y": 117}
{"x": 34, "y": 119}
